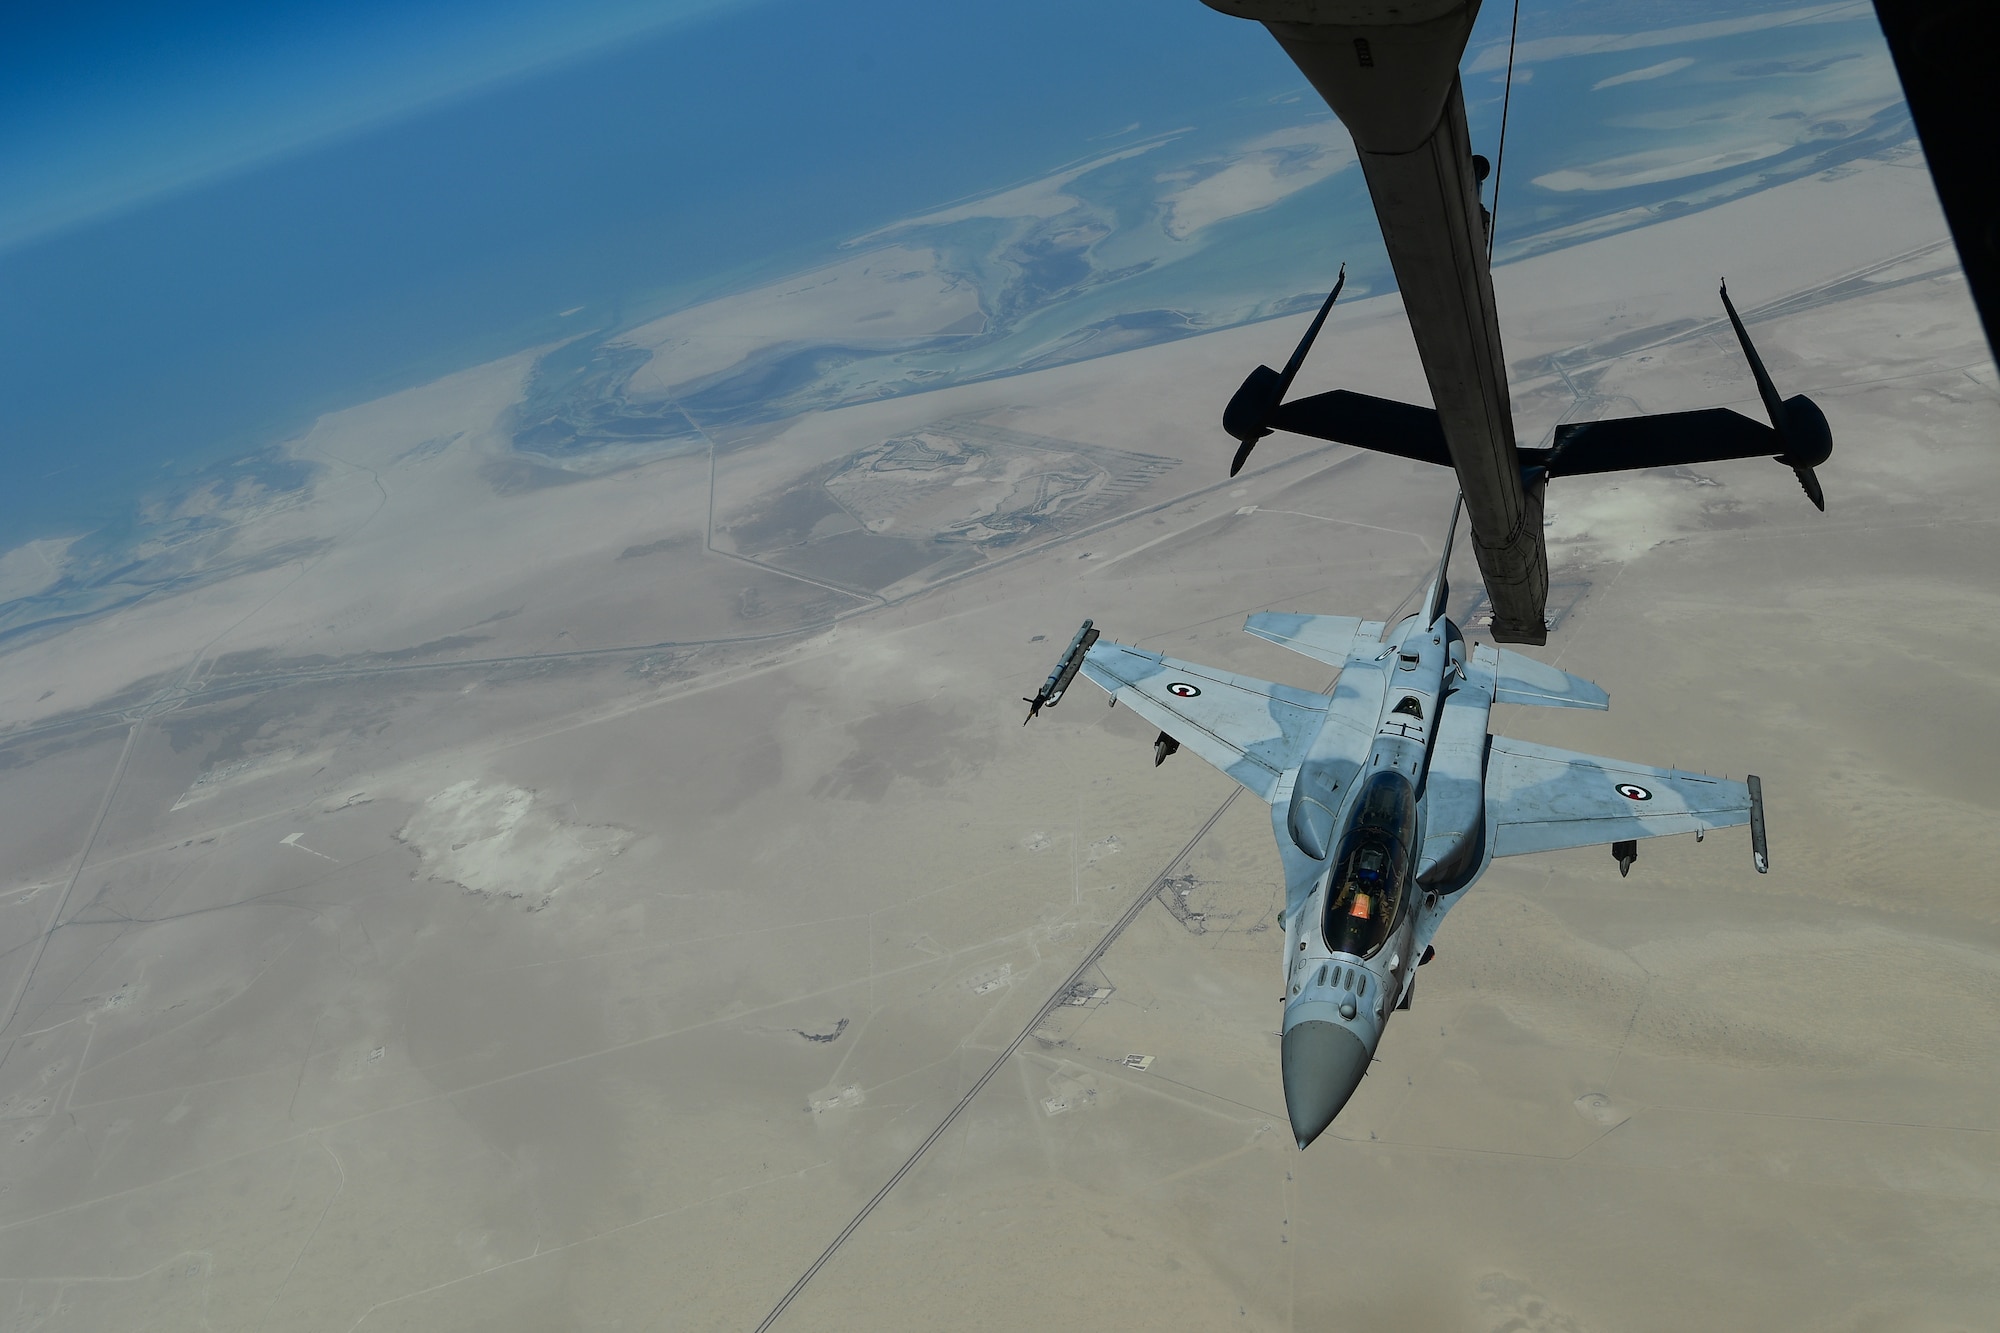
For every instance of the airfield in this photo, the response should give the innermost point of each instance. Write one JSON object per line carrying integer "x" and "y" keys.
{"x": 502, "y": 888}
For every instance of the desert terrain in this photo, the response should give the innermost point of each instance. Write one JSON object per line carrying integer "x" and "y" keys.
{"x": 508, "y": 885}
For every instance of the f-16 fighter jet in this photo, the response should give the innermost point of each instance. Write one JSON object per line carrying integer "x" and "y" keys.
{"x": 1389, "y": 799}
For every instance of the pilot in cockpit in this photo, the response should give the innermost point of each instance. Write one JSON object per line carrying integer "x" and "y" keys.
{"x": 1366, "y": 881}
{"x": 1354, "y": 924}
{"x": 1364, "y": 897}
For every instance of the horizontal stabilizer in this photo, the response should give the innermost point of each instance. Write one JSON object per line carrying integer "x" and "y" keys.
{"x": 1671, "y": 439}
{"x": 1367, "y": 422}
{"x": 1328, "y": 639}
{"x": 1523, "y": 680}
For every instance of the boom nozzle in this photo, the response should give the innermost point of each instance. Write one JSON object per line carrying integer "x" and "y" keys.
{"x": 1059, "y": 680}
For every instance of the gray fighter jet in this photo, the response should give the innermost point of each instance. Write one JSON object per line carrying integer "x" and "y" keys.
{"x": 1389, "y": 799}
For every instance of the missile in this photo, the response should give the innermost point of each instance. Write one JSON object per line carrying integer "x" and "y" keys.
{"x": 1071, "y": 662}
{"x": 1760, "y": 848}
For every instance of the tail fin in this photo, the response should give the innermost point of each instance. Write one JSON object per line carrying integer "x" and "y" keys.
{"x": 1440, "y": 591}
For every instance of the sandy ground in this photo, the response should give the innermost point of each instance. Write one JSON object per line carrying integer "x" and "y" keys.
{"x": 546, "y": 907}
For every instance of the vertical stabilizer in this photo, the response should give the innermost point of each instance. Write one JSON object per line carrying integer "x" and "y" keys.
{"x": 1441, "y": 585}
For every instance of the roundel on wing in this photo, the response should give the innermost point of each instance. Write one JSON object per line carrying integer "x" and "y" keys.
{"x": 1632, "y": 791}
{"x": 1180, "y": 689}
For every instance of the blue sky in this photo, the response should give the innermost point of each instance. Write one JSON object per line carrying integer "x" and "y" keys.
{"x": 219, "y": 315}
{"x": 218, "y": 220}
{"x": 105, "y": 103}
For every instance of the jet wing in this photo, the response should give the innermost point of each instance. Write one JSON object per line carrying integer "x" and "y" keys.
{"x": 1540, "y": 799}
{"x": 1251, "y": 729}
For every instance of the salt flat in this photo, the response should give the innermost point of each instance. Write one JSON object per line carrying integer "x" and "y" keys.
{"x": 562, "y": 901}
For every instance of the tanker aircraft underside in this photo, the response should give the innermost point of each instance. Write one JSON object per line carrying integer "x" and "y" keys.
{"x": 1389, "y": 71}
{"x": 1389, "y": 799}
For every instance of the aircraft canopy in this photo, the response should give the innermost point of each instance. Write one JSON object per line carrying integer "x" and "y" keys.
{"x": 1372, "y": 867}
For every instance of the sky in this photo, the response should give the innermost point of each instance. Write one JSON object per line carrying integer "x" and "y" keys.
{"x": 218, "y": 220}
{"x": 104, "y": 103}
{"x": 238, "y": 306}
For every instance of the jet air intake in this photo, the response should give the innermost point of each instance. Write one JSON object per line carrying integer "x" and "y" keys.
{"x": 1310, "y": 817}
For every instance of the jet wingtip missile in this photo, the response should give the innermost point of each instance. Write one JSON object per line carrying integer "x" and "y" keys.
{"x": 1760, "y": 849}
{"x": 1065, "y": 671}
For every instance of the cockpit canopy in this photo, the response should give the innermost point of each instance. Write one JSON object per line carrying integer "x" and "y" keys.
{"x": 1372, "y": 868}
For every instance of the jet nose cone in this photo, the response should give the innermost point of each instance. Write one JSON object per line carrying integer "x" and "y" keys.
{"x": 1323, "y": 1064}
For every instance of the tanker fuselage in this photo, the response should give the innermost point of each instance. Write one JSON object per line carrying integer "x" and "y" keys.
{"x": 1390, "y": 72}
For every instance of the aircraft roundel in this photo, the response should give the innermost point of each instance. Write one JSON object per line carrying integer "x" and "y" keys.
{"x": 1180, "y": 689}
{"x": 1632, "y": 791}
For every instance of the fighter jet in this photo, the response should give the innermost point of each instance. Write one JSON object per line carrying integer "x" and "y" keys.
{"x": 1389, "y": 799}
{"x": 1389, "y": 71}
